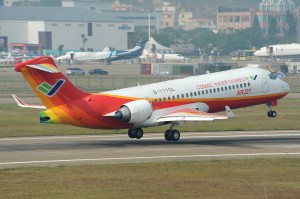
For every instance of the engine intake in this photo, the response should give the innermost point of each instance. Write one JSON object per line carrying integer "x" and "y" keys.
{"x": 134, "y": 112}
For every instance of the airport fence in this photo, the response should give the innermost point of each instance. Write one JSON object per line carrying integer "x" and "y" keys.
{"x": 16, "y": 84}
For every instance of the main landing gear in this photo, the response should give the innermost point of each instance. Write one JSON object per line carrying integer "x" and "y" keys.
{"x": 170, "y": 134}
{"x": 271, "y": 113}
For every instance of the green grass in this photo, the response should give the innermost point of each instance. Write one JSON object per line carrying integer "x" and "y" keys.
{"x": 17, "y": 121}
{"x": 251, "y": 178}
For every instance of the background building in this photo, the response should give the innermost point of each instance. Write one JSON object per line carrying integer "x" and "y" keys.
{"x": 49, "y": 27}
{"x": 231, "y": 19}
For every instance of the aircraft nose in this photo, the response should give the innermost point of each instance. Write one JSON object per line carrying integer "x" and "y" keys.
{"x": 285, "y": 86}
{"x": 256, "y": 53}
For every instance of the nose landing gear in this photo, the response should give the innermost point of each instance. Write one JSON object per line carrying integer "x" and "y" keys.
{"x": 271, "y": 113}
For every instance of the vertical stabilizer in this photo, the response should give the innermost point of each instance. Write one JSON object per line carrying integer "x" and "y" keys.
{"x": 51, "y": 85}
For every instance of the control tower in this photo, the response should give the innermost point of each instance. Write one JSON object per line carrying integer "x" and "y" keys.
{"x": 276, "y": 5}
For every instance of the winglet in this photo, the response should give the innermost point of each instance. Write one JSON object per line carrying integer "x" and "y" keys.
{"x": 24, "y": 105}
{"x": 229, "y": 112}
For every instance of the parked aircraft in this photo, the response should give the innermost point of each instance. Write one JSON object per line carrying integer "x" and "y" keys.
{"x": 195, "y": 98}
{"x": 85, "y": 56}
{"x": 106, "y": 55}
{"x": 280, "y": 50}
{"x": 158, "y": 57}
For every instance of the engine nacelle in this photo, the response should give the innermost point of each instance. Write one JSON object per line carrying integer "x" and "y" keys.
{"x": 134, "y": 112}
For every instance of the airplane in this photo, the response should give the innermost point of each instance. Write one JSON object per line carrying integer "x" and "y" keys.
{"x": 85, "y": 56}
{"x": 195, "y": 98}
{"x": 163, "y": 57}
{"x": 106, "y": 55}
{"x": 279, "y": 50}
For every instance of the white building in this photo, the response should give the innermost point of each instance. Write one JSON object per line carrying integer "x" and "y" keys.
{"x": 50, "y": 27}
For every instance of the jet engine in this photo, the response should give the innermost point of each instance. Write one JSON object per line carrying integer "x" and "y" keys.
{"x": 134, "y": 112}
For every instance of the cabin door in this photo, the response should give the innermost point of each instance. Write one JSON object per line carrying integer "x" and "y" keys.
{"x": 265, "y": 85}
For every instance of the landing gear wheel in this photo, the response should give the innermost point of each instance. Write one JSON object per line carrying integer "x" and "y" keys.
{"x": 130, "y": 133}
{"x": 175, "y": 135}
{"x": 172, "y": 135}
{"x": 272, "y": 114}
{"x": 135, "y": 133}
{"x": 138, "y": 133}
{"x": 168, "y": 135}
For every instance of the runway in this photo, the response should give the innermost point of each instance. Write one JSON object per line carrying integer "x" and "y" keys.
{"x": 114, "y": 149}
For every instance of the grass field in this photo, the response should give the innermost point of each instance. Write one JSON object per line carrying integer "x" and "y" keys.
{"x": 17, "y": 121}
{"x": 229, "y": 179}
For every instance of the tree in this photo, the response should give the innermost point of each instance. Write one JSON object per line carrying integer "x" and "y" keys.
{"x": 153, "y": 48}
{"x": 272, "y": 26}
{"x": 84, "y": 40}
{"x": 291, "y": 24}
{"x": 60, "y": 49}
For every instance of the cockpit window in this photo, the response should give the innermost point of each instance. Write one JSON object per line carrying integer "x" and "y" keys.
{"x": 273, "y": 75}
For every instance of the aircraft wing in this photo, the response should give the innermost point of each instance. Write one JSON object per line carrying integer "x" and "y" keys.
{"x": 189, "y": 114}
{"x": 24, "y": 105}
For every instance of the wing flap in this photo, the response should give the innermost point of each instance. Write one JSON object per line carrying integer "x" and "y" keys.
{"x": 189, "y": 114}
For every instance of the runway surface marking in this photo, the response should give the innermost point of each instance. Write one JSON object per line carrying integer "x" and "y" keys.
{"x": 158, "y": 135}
{"x": 151, "y": 157}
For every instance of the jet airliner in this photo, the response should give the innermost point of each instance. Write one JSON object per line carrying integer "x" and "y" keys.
{"x": 195, "y": 98}
{"x": 279, "y": 50}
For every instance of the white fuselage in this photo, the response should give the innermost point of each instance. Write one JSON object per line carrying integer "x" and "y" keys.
{"x": 210, "y": 92}
{"x": 280, "y": 50}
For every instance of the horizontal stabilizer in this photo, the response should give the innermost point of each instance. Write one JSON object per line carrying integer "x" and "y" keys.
{"x": 45, "y": 67}
{"x": 24, "y": 105}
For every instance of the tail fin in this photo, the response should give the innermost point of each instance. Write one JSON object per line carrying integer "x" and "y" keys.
{"x": 51, "y": 86}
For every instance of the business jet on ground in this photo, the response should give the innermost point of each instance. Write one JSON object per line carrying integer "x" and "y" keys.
{"x": 280, "y": 50}
{"x": 106, "y": 55}
{"x": 85, "y": 56}
{"x": 195, "y": 98}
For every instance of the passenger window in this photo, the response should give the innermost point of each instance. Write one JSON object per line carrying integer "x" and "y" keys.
{"x": 245, "y": 85}
{"x": 229, "y": 87}
{"x": 195, "y": 94}
{"x": 210, "y": 91}
{"x": 202, "y": 92}
{"x": 218, "y": 89}
{"x": 182, "y": 95}
{"x": 233, "y": 87}
{"x": 249, "y": 84}
{"x": 241, "y": 85}
{"x": 191, "y": 94}
{"x": 178, "y": 97}
{"x": 222, "y": 89}
{"x": 237, "y": 86}
{"x": 169, "y": 98}
{"x": 187, "y": 95}
{"x": 199, "y": 93}
{"x": 206, "y": 91}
